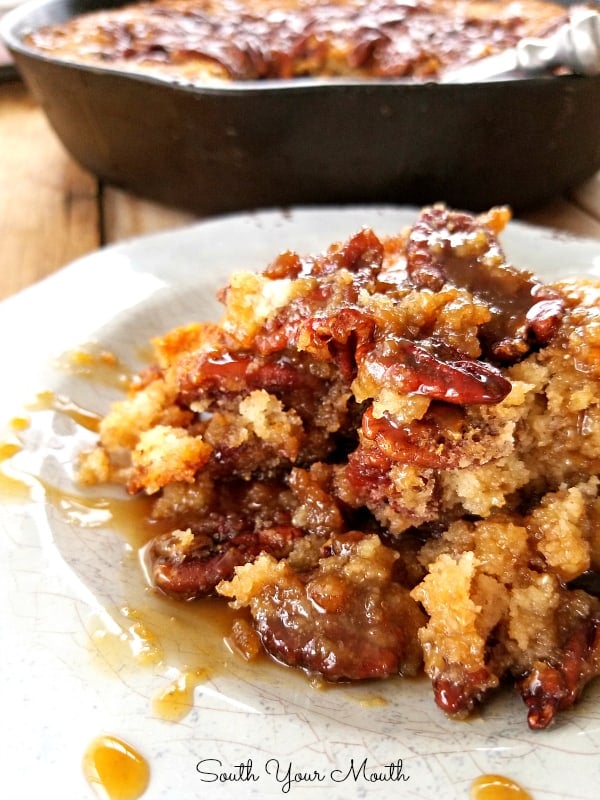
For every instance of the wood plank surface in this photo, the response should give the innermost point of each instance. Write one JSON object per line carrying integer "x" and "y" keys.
{"x": 49, "y": 211}
{"x": 125, "y": 216}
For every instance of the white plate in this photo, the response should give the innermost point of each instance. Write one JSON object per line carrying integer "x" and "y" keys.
{"x": 59, "y": 580}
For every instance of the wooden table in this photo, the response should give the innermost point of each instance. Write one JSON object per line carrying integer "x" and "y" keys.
{"x": 52, "y": 211}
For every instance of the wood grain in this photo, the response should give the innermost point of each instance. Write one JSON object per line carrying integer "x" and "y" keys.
{"x": 125, "y": 216}
{"x": 48, "y": 205}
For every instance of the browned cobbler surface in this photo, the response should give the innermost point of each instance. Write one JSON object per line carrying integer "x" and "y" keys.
{"x": 200, "y": 40}
{"x": 387, "y": 454}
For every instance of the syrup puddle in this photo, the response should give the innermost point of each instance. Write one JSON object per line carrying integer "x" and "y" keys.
{"x": 11, "y": 487}
{"x": 48, "y": 401}
{"x": 115, "y": 769}
{"x": 175, "y": 701}
{"x": 184, "y": 642}
{"x": 96, "y": 364}
{"x": 497, "y": 787}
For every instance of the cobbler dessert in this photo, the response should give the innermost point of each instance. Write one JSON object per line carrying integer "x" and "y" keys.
{"x": 386, "y": 456}
{"x": 223, "y": 40}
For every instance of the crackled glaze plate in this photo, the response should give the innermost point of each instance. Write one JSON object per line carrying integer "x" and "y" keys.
{"x": 88, "y": 650}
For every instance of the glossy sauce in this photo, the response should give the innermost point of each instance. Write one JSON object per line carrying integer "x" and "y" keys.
{"x": 123, "y": 638}
{"x": 20, "y": 423}
{"x": 8, "y": 449}
{"x": 175, "y": 701}
{"x": 23, "y": 485}
{"x": 49, "y": 401}
{"x": 116, "y": 769}
{"x": 96, "y": 363}
{"x": 497, "y": 787}
{"x": 150, "y": 629}
{"x": 374, "y": 701}
{"x": 13, "y": 487}
{"x": 125, "y": 514}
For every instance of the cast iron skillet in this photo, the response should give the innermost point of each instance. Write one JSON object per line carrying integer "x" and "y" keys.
{"x": 273, "y": 143}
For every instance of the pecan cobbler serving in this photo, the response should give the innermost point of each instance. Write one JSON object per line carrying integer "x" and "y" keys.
{"x": 386, "y": 456}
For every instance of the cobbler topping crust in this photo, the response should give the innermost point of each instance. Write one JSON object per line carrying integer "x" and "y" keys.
{"x": 386, "y": 455}
{"x": 233, "y": 40}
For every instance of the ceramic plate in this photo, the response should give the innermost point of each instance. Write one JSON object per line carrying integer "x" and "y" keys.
{"x": 85, "y": 646}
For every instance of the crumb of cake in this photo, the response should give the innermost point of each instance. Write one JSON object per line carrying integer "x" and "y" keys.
{"x": 562, "y": 529}
{"x": 386, "y": 455}
{"x": 164, "y": 455}
{"x": 95, "y": 467}
{"x": 267, "y": 419}
{"x": 454, "y": 639}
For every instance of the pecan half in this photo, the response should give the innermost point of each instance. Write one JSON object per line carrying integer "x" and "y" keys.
{"x": 194, "y": 574}
{"x": 427, "y": 368}
{"x": 550, "y": 688}
{"x": 430, "y": 442}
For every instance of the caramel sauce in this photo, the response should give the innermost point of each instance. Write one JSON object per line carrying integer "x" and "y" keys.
{"x": 122, "y": 513}
{"x": 20, "y": 423}
{"x": 175, "y": 701}
{"x": 13, "y": 490}
{"x": 116, "y": 768}
{"x": 374, "y": 701}
{"x": 96, "y": 363}
{"x": 151, "y": 629}
{"x": 185, "y": 639}
{"x": 49, "y": 401}
{"x": 91, "y": 362}
{"x": 8, "y": 449}
{"x": 13, "y": 487}
{"x": 497, "y": 787}
{"x": 148, "y": 629}
{"x": 124, "y": 639}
